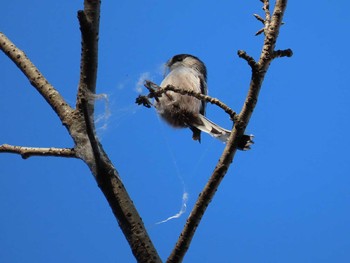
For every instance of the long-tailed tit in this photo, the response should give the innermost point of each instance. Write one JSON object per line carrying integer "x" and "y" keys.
{"x": 181, "y": 111}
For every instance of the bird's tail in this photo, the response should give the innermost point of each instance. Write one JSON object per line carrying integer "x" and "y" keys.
{"x": 207, "y": 126}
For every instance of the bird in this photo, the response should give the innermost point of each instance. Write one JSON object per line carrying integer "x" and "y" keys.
{"x": 188, "y": 72}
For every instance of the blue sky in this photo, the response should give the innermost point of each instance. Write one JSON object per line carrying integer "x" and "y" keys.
{"x": 286, "y": 200}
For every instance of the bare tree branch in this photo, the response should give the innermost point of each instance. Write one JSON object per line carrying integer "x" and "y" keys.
{"x": 38, "y": 81}
{"x": 81, "y": 128}
{"x": 89, "y": 20}
{"x": 91, "y": 149}
{"x": 157, "y": 91}
{"x": 27, "y": 152}
{"x": 258, "y": 74}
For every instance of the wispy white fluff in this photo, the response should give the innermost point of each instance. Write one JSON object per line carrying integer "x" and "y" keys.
{"x": 182, "y": 209}
{"x": 101, "y": 120}
{"x": 139, "y": 84}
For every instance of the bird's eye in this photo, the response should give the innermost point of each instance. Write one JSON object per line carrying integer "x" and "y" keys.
{"x": 178, "y": 58}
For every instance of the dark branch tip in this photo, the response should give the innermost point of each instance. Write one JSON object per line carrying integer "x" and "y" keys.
{"x": 283, "y": 53}
{"x": 260, "y": 31}
{"x": 144, "y": 101}
{"x": 241, "y": 53}
{"x": 289, "y": 52}
{"x": 150, "y": 85}
{"x": 83, "y": 21}
{"x": 259, "y": 18}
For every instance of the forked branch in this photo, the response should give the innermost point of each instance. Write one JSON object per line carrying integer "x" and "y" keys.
{"x": 259, "y": 70}
{"x": 79, "y": 123}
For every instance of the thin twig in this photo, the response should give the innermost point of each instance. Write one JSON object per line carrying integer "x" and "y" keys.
{"x": 251, "y": 61}
{"x": 260, "y": 31}
{"x": 27, "y": 152}
{"x": 157, "y": 91}
{"x": 259, "y": 18}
